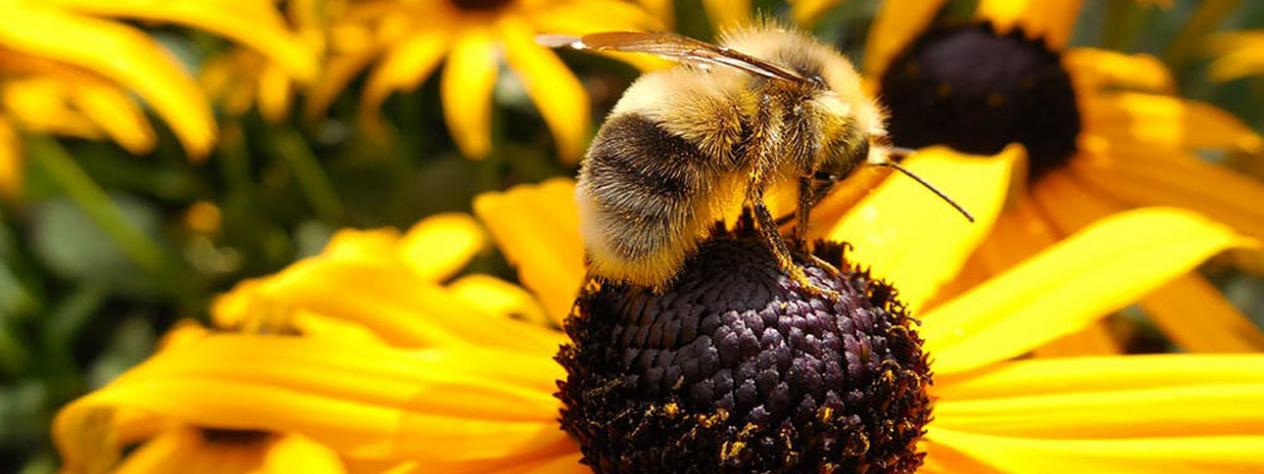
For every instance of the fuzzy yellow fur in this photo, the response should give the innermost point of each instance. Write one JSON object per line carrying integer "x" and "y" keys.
{"x": 707, "y": 107}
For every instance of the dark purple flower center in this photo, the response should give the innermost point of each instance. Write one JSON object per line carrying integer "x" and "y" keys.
{"x": 734, "y": 368}
{"x": 977, "y": 91}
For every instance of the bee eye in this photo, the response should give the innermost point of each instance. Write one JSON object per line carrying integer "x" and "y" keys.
{"x": 823, "y": 176}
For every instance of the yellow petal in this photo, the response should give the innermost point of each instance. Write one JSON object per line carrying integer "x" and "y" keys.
{"x": 1020, "y": 232}
{"x": 116, "y": 114}
{"x": 440, "y": 245}
{"x": 11, "y": 162}
{"x": 1052, "y": 21}
{"x": 1074, "y": 283}
{"x": 1238, "y": 54}
{"x": 557, "y": 94}
{"x": 897, "y": 23}
{"x": 470, "y": 382}
{"x": 841, "y": 200}
{"x": 663, "y": 9}
{"x": 592, "y": 16}
{"x": 1069, "y": 205}
{"x": 339, "y": 71}
{"x": 1094, "y": 339}
{"x": 230, "y": 80}
{"x": 392, "y": 301}
{"x": 369, "y": 245}
{"x": 806, "y": 12}
{"x": 1236, "y": 64}
{"x": 274, "y": 93}
{"x": 499, "y": 297}
{"x": 121, "y": 54}
{"x": 1152, "y": 120}
{"x": 1034, "y": 377}
{"x": 299, "y": 454}
{"x": 466, "y": 87}
{"x": 407, "y": 63}
{"x": 363, "y": 401}
{"x": 560, "y": 464}
{"x": 1150, "y": 178}
{"x": 911, "y": 238}
{"x": 727, "y": 14}
{"x": 1156, "y": 455}
{"x": 941, "y": 459}
{"x": 255, "y": 23}
{"x": 186, "y": 450}
{"x": 537, "y": 228}
{"x": 1194, "y": 315}
{"x": 1098, "y": 68}
{"x": 1202, "y": 410}
{"x": 314, "y": 325}
{"x": 41, "y": 104}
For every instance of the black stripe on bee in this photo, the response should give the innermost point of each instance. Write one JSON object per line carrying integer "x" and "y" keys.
{"x": 634, "y": 151}
{"x": 646, "y": 177}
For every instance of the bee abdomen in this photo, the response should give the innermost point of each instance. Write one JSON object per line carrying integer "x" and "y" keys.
{"x": 638, "y": 192}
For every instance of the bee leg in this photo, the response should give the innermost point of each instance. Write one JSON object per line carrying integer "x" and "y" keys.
{"x": 768, "y": 231}
{"x": 808, "y": 197}
{"x": 802, "y": 212}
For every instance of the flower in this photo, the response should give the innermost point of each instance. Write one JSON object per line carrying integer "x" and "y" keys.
{"x": 1104, "y": 132}
{"x": 1237, "y": 55}
{"x": 371, "y": 356}
{"x": 721, "y": 13}
{"x": 411, "y": 38}
{"x": 241, "y": 77}
{"x": 67, "y": 69}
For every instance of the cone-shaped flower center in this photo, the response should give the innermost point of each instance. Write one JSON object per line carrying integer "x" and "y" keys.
{"x": 734, "y": 368}
{"x": 480, "y": 5}
{"x": 976, "y": 91}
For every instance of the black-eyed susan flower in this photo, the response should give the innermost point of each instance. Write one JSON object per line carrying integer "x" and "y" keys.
{"x": 240, "y": 78}
{"x": 732, "y": 367}
{"x": 1103, "y": 130}
{"x": 410, "y": 39}
{"x": 67, "y": 68}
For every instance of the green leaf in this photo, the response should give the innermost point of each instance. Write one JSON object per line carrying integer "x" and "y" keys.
{"x": 73, "y": 247}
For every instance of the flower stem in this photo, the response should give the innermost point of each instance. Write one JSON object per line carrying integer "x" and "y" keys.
{"x": 311, "y": 176}
{"x": 94, "y": 202}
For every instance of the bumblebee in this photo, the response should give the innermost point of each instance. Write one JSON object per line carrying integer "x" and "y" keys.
{"x": 768, "y": 109}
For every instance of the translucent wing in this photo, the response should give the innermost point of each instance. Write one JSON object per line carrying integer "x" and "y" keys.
{"x": 671, "y": 45}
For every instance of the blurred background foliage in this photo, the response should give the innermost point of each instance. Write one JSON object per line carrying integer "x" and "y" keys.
{"x": 104, "y": 250}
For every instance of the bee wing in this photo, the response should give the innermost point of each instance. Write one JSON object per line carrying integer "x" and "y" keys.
{"x": 674, "y": 46}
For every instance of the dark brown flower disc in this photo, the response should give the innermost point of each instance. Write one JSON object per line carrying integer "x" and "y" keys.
{"x": 734, "y": 368}
{"x": 976, "y": 90}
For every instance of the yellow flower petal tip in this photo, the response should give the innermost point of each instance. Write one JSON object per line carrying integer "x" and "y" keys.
{"x": 537, "y": 228}
{"x": 1071, "y": 284}
{"x": 913, "y": 239}
{"x": 458, "y": 235}
{"x": 499, "y": 297}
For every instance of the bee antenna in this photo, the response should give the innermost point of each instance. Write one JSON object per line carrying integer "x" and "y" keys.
{"x": 924, "y": 183}
{"x": 900, "y": 151}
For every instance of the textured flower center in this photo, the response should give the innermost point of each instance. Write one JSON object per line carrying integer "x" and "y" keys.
{"x": 480, "y": 5}
{"x": 734, "y": 368}
{"x": 977, "y": 91}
